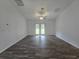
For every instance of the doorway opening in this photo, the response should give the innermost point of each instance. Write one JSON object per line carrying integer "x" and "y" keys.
{"x": 40, "y": 29}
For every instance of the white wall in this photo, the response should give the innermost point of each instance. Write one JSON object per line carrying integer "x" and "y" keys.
{"x": 16, "y": 28}
{"x": 68, "y": 24}
{"x": 49, "y": 26}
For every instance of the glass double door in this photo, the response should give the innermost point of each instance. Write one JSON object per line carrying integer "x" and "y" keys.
{"x": 40, "y": 29}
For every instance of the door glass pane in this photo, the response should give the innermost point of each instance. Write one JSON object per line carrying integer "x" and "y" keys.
{"x": 37, "y": 29}
{"x": 42, "y": 28}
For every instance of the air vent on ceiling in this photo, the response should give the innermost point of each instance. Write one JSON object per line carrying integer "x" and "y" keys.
{"x": 19, "y": 2}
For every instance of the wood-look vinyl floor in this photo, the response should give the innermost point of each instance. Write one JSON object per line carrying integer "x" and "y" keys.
{"x": 41, "y": 47}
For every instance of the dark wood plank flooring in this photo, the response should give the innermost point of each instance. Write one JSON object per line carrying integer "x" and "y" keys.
{"x": 41, "y": 47}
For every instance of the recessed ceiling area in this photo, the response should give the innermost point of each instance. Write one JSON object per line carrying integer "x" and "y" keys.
{"x": 54, "y": 7}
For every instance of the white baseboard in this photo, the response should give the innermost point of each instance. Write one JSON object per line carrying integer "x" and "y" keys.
{"x": 3, "y": 49}
{"x": 66, "y": 39}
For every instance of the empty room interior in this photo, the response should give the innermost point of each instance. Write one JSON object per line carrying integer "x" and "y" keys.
{"x": 39, "y": 29}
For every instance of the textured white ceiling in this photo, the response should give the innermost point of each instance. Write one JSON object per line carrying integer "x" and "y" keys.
{"x": 54, "y": 7}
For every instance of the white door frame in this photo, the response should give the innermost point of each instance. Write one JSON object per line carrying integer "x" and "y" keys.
{"x": 40, "y": 29}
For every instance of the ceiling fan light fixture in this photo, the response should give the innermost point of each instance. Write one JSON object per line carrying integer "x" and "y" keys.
{"x": 41, "y": 18}
{"x": 42, "y": 13}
